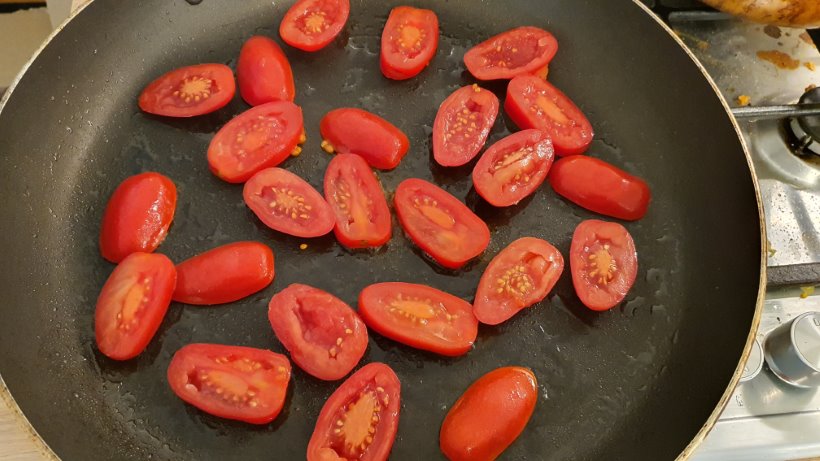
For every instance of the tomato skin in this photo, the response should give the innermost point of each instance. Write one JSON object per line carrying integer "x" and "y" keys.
{"x": 263, "y": 72}
{"x": 207, "y": 88}
{"x": 356, "y": 131}
{"x": 397, "y": 62}
{"x": 137, "y": 216}
{"x": 357, "y": 200}
{"x": 470, "y": 129}
{"x": 449, "y": 330}
{"x": 523, "y": 50}
{"x": 295, "y": 31}
{"x": 532, "y": 102}
{"x": 373, "y": 383}
{"x": 526, "y": 155}
{"x": 594, "y": 241}
{"x": 444, "y": 228}
{"x": 132, "y": 304}
{"x": 543, "y": 72}
{"x": 600, "y": 187}
{"x": 224, "y": 274}
{"x": 256, "y": 378}
{"x": 490, "y": 415}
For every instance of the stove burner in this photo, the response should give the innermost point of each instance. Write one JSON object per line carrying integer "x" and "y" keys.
{"x": 805, "y": 131}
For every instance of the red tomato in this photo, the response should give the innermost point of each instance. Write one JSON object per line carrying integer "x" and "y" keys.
{"x": 463, "y": 122}
{"x": 514, "y": 167}
{"x": 604, "y": 263}
{"x": 232, "y": 382}
{"x": 356, "y": 131}
{"x": 258, "y": 138}
{"x": 490, "y": 415}
{"x": 263, "y": 72}
{"x": 137, "y": 216}
{"x": 523, "y": 50}
{"x": 439, "y": 223}
{"x": 286, "y": 203}
{"x": 600, "y": 187}
{"x": 409, "y": 42}
{"x": 324, "y": 336}
{"x": 518, "y": 277}
{"x": 542, "y": 72}
{"x": 133, "y": 303}
{"x": 420, "y": 316}
{"x": 311, "y": 25}
{"x": 189, "y": 91}
{"x": 360, "y": 419}
{"x": 532, "y": 102}
{"x": 357, "y": 200}
{"x": 224, "y": 274}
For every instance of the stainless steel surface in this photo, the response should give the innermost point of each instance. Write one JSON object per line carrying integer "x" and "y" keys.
{"x": 778, "y": 112}
{"x": 791, "y": 351}
{"x": 754, "y": 364}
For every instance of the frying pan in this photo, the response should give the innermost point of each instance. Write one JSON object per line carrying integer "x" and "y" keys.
{"x": 641, "y": 381}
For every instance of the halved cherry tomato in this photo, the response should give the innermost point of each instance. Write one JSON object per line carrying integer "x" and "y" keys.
{"x": 133, "y": 303}
{"x": 258, "y": 138}
{"x": 137, "y": 216}
{"x": 311, "y": 25}
{"x": 542, "y": 72}
{"x": 189, "y": 91}
{"x": 490, "y": 415}
{"x": 420, "y": 316}
{"x": 232, "y": 382}
{"x": 286, "y": 203}
{"x": 604, "y": 263}
{"x": 324, "y": 336}
{"x": 463, "y": 122}
{"x": 409, "y": 42}
{"x": 514, "y": 167}
{"x": 224, "y": 274}
{"x": 532, "y": 102}
{"x": 600, "y": 187}
{"x": 360, "y": 419}
{"x": 439, "y": 223}
{"x": 263, "y": 72}
{"x": 523, "y": 50}
{"x": 357, "y": 200}
{"x": 356, "y": 131}
{"x": 518, "y": 277}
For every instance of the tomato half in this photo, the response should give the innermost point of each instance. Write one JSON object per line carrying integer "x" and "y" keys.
{"x": 514, "y": 167}
{"x": 439, "y": 223}
{"x": 132, "y": 304}
{"x": 189, "y": 91}
{"x": 490, "y": 415}
{"x": 523, "y": 50}
{"x": 409, "y": 42}
{"x": 360, "y": 419}
{"x": 263, "y": 72}
{"x": 420, "y": 316}
{"x": 137, "y": 216}
{"x": 324, "y": 336}
{"x": 232, "y": 382}
{"x": 604, "y": 263}
{"x": 286, "y": 203}
{"x": 357, "y": 200}
{"x": 356, "y": 131}
{"x": 532, "y": 102}
{"x": 518, "y": 277}
{"x": 600, "y": 187}
{"x": 311, "y": 25}
{"x": 463, "y": 122}
{"x": 224, "y": 274}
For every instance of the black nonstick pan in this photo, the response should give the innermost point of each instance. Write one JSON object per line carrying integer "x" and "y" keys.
{"x": 637, "y": 382}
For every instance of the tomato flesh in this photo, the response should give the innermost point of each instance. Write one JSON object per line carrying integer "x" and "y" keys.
{"x": 357, "y": 200}
{"x": 189, "y": 91}
{"x": 523, "y": 50}
{"x": 543, "y": 72}
{"x": 409, "y": 42}
{"x": 532, "y": 102}
{"x": 132, "y": 304}
{"x": 263, "y": 72}
{"x": 520, "y": 276}
{"x": 232, "y": 382}
{"x": 356, "y": 131}
{"x": 360, "y": 419}
{"x": 310, "y": 25}
{"x": 420, "y": 316}
{"x": 604, "y": 263}
{"x": 462, "y": 124}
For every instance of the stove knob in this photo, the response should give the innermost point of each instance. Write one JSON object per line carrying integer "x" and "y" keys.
{"x": 792, "y": 351}
{"x": 753, "y": 364}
